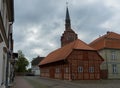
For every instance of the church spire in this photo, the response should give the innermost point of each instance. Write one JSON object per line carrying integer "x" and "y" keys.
{"x": 69, "y": 35}
{"x": 67, "y": 14}
{"x": 67, "y": 19}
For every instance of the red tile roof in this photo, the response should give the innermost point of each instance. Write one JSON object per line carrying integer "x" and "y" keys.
{"x": 63, "y": 52}
{"x": 109, "y": 40}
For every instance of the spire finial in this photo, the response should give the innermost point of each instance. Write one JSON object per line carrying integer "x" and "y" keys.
{"x": 67, "y": 19}
{"x": 67, "y": 3}
{"x": 67, "y": 11}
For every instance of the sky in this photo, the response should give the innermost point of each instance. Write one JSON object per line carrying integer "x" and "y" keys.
{"x": 39, "y": 24}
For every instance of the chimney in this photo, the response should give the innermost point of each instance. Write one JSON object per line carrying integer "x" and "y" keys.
{"x": 108, "y": 32}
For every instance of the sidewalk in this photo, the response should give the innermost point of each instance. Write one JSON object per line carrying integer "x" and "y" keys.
{"x": 20, "y": 82}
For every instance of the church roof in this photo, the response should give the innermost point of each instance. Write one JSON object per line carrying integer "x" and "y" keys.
{"x": 63, "y": 52}
{"x": 67, "y": 14}
{"x": 109, "y": 40}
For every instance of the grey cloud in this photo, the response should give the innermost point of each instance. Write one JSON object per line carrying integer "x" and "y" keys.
{"x": 88, "y": 18}
{"x": 40, "y": 23}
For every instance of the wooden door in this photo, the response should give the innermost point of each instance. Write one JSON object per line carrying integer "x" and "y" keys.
{"x": 52, "y": 73}
{"x": 62, "y": 73}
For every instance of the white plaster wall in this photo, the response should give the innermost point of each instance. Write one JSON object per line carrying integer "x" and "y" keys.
{"x": 35, "y": 70}
{"x": 107, "y": 64}
{"x": 2, "y": 71}
{"x": 1, "y": 60}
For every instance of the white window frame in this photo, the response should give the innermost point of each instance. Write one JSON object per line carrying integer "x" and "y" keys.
{"x": 113, "y": 55}
{"x": 57, "y": 70}
{"x": 114, "y": 68}
{"x": 66, "y": 70}
{"x": 91, "y": 69}
{"x": 80, "y": 69}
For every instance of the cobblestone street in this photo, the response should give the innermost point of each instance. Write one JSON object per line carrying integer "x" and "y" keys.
{"x": 38, "y": 82}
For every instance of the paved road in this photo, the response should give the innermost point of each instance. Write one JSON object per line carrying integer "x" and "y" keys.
{"x": 54, "y": 83}
{"x": 20, "y": 82}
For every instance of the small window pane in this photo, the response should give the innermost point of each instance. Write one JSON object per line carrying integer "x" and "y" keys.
{"x": 91, "y": 69}
{"x": 57, "y": 70}
{"x": 113, "y": 55}
{"x": 66, "y": 70}
{"x": 114, "y": 67}
{"x": 80, "y": 69}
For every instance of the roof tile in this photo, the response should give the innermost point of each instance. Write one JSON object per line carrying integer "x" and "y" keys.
{"x": 109, "y": 40}
{"x": 63, "y": 52}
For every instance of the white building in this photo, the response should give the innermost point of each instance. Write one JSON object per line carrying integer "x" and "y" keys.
{"x": 6, "y": 42}
{"x": 108, "y": 47}
{"x": 35, "y": 68}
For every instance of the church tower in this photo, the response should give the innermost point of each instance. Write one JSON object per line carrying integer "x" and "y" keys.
{"x": 69, "y": 35}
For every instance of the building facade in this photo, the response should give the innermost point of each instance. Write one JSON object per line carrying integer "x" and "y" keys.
{"x": 75, "y": 60}
{"x": 6, "y": 42}
{"x": 108, "y": 47}
{"x": 34, "y": 65}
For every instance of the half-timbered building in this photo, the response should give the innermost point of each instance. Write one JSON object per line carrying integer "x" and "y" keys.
{"x": 75, "y": 60}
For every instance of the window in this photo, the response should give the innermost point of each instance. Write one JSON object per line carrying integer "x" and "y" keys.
{"x": 80, "y": 69}
{"x": 47, "y": 70}
{"x": 66, "y": 70}
{"x": 57, "y": 70}
{"x": 114, "y": 68}
{"x": 91, "y": 69}
{"x": 113, "y": 55}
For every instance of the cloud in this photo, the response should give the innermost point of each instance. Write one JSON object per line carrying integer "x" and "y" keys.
{"x": 39, "y": 24}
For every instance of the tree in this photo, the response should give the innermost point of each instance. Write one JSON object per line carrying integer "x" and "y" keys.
{"x": 22, "y": 62}
{"x": 29, "y": 70}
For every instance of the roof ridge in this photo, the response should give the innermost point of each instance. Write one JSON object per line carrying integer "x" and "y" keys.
{"x": 102, "y": 42}
{"x": 74, "y": 43}
{"x": 97, "y": 39}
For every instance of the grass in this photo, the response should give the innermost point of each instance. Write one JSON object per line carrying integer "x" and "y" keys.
{"x": 35, "y": 83}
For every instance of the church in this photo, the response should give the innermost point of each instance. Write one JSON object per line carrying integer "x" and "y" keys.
{"x": 75, "y": 60}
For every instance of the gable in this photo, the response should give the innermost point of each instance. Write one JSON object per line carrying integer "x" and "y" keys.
{"x": 85, "y": 55}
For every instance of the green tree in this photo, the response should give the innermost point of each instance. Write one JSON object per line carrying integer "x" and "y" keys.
{"x": 22, "y": 62}
{"x": 29, "y": 70}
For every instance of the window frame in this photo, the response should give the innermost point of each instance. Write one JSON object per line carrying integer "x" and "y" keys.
{"x": 114, "y": 68}
{"x": 57, "y": 70}
{"x": 80, "y": 69}
{"x": 113, "y": 55}
{"x": 91, "y": 69}
{"x": 66, "y": 70}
